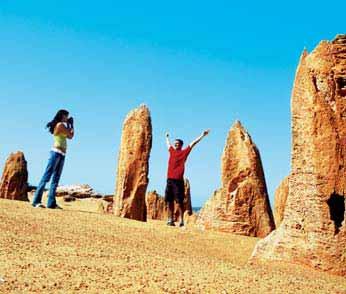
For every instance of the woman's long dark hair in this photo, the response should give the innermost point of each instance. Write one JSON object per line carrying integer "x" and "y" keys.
{"x": 58, "y": 118}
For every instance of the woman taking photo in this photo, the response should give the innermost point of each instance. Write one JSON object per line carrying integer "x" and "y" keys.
{"x": 61, "y": 127}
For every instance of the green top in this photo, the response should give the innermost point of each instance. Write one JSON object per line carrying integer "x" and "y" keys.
{"x": 60, "y": 142}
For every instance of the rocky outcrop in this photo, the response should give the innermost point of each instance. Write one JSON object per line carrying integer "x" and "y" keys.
{"x": 281, "y": 194}
{"x": 313, "y": 231}
{"x": 241, "y": 206}
{"x": 190, "y": 218}
{"x": 14, "y": 181}
{"x": 187, "y": 201}
{"x": 69, "y": 198}
{"x": 105, "y": 206}
{"x": 156, "y": 206}
{"x": 133, "y": 165}
{"x": 187, "y": 197}
{"x": 77, "y": 191}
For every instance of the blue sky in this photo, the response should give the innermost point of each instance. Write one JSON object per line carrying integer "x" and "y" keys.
{"x": 196, "y": 64}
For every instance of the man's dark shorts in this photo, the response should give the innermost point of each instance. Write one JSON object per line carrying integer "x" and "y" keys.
{"x": 175, "y": 190}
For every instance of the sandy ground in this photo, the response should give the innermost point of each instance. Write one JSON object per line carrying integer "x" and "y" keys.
{"x": 86, "y": 204}
{"x": 67, "y": 251}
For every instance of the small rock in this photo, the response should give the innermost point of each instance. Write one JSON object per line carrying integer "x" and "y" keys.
{"x": 68, "y": 198}
{"x": 14, "y": 180}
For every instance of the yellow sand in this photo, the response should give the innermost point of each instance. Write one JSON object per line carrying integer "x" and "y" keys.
{"x": 65, "y": 251}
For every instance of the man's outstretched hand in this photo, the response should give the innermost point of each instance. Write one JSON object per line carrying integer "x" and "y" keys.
{"x": 167, "y": 140}
{"x": 206, "y": 132}
{"x": 193, "y": 143}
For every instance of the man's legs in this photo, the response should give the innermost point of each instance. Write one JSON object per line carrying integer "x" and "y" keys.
{"x": 171, "y": 211}
{"x": 45, "y": 179}
{"x": 169, "y": 199}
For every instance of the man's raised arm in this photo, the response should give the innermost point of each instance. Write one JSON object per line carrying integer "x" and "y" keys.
{"x": 167, "y": 141}
{"x": 193, "y": 143}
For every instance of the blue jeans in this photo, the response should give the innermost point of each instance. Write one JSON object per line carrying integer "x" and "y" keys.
{"x": 54, "y": 168}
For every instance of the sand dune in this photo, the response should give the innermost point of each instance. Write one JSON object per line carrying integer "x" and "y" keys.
{"x": 52, "y": 251}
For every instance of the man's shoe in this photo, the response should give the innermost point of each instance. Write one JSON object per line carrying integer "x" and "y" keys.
{"x": 171, "y": 223}
{"x": 181, "y": 224}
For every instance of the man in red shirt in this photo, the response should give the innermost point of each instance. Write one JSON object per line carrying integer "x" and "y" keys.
{"x": 175, "y": 175}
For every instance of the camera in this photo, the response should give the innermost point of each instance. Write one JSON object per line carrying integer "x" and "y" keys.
{"x": 70, "y": 122}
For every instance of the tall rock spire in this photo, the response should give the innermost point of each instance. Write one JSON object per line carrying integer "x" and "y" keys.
{"x": 133, "y": 165}
{"x": 313, "y": 231}
{"x": 241, "y": 205}
{"x": 280, "y": 200}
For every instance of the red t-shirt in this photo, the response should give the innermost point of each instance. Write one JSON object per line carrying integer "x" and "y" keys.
{"x": 176, "y": 163}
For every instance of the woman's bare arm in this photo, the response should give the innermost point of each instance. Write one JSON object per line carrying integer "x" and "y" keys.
{"x": 62, "y": 129}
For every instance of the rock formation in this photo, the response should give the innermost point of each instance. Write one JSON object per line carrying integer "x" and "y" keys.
{"x": 241, "y": 206}
{"x": 133, "y": 165}
{"x": 313, "y": 231}
{"x": 156, "y": 206}
{"x": 190, "y": 218}
{"x": 108, "y": 204}
{"x": 187, "y": 197}
{"x": 69, "y": 198}
{"x": 187, "y": 201}
{"x": 77, "y": 191}
{"x": 281, "y": 194}
{"x": 105, "y": 206}
{"x": 14, "y": 181}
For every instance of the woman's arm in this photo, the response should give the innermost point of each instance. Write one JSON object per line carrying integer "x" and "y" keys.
{"x": 62, "y": 129}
